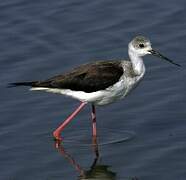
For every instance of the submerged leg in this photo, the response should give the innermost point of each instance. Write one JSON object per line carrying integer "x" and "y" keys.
{"x": 58, "y": 131}
{"x": 93, "y": 115}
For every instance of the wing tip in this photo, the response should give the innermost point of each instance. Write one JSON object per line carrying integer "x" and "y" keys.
{"x": 11, "y": 85}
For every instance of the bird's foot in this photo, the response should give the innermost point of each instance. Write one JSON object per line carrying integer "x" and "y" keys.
{"x": 57, "y": 135}
{"x": 57, "y": 138}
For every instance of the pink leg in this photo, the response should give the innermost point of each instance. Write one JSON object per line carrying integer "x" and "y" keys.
{"x": 93, "y": 114}
{"x": 58, "y": 131}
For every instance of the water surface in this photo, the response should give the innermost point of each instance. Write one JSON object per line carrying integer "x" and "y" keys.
{"x": 40, "y": 39}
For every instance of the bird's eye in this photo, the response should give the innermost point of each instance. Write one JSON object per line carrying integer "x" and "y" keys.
{"x": 141, "y": 45}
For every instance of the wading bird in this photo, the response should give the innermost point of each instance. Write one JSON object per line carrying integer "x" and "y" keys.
{"x": 100, "y": 82}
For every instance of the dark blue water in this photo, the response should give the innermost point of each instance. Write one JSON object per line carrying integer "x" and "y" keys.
{"x": 39, "y": 39}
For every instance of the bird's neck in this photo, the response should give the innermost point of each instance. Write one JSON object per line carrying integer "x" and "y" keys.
{"x": 137, "y": 63}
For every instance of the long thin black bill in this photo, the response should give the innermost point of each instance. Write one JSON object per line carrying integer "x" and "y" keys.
{"x": 157, "y": 54}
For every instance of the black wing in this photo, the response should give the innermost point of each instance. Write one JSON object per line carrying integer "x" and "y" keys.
{"x": 88, "y": 78}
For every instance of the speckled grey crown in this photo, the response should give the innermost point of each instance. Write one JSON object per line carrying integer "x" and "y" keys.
{"x": 140, "y": 40}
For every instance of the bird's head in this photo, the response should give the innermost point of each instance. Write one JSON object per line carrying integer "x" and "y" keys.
{"x": 141, "y": 46}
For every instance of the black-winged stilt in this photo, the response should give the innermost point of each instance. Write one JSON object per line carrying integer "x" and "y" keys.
{"x": 100, "y": 82}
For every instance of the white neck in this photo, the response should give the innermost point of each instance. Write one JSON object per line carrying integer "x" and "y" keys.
{"x": 137, "y": 62}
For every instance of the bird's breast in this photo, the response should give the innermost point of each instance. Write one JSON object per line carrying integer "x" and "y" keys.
{"x": 116, "y": 92}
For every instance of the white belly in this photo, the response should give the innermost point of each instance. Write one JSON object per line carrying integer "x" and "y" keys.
{"x": 102, "y": 97}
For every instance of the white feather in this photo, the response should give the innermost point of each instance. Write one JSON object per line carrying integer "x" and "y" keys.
{"x": 102, "y": 97}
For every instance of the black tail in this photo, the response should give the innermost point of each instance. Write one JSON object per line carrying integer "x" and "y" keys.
{"x": 33, "y": 83}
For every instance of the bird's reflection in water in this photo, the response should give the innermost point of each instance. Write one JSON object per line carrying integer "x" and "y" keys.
{"x": 97, "y": 171}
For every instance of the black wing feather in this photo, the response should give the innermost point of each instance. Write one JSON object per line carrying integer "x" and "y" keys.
{"x": 88, "y": 78}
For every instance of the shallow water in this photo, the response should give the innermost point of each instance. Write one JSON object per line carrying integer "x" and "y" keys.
{"x": 40, "y": 39}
